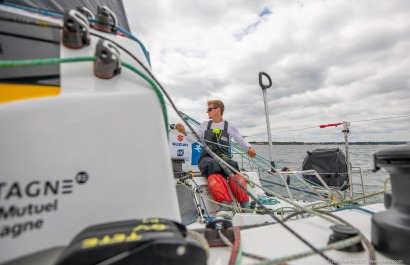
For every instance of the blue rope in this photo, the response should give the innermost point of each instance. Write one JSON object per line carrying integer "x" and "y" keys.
{"x": 260, "y": 160}
{"x": 267, "y": 200}
{"x": 351, "y": 207}
{"x": 35, "y": 10}
{"x": 129, "y": 35}
{"x": 190, "y": 119}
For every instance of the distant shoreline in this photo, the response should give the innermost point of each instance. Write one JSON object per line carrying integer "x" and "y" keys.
{"x": 332, "y": 143}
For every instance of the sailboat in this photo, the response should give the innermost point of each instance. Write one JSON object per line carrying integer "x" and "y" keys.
{"x": 87, "y": 176}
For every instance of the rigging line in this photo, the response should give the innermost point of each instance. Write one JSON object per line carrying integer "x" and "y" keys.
{"x": 300, "y": 129}
{"x": 222, "y": 165}
{"x": 154, "y": 86}
{"x": 225, "y": 167}
{"x": 370, "y": 248}
{"x": 201, "y": 195}
{"x": 235, "y": 146}
{"x": 227, "y": 170}
{"x": 333, "y": 246}
{"x": 385, "y": 118}
{"x": 278, "y": 210}
{"x": 60, "y": 16}
{"x": 45, "y": 24}
{"x": 358, "y": 121}
{"x": 33, "y": 9}
{"x": 290, "y": 187}
{"x": 277, "y": 195}
{"x": 241, "y": 151}
{"x": 129, "y": 35}
{"x": 48, "y": 61}
{"x": 206, "y": 147}
{"x": 157, "y": 82}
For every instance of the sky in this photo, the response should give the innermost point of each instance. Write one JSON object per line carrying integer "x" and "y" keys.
{"x": 329, "y": 61}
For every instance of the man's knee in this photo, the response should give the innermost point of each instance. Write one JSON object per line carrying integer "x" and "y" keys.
{"x": 232, "y": 163}
{"x": 210, "y": 167}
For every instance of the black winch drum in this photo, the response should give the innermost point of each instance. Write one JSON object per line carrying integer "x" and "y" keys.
{"x": 391, "y": 228}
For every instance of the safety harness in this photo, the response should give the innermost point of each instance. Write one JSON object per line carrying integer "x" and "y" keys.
{"x": 218, "y": 140}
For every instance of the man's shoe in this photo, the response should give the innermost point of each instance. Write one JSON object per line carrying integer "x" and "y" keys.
{"x": 245, "y": 207}
{"x": 224, "y": 211}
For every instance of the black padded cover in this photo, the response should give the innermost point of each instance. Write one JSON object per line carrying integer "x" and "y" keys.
{"x": 329, "y": 163}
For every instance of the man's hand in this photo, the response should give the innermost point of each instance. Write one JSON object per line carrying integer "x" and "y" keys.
{"x": 181, "y": 129}
{"x": 251, "y": 152}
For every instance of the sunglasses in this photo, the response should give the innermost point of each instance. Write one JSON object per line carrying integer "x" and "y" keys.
{"x": 209, "y": 109}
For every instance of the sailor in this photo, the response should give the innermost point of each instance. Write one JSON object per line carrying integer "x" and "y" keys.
{"x": 217, "y": 133}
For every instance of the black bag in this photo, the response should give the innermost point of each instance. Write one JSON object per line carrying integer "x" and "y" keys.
{"x": 330, "y": 164}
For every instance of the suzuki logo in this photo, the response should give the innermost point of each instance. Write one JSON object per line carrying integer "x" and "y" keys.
{"x": 180, "y": 138}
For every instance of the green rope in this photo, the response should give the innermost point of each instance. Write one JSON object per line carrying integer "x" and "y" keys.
{"x": 335, "y": 204}
{"x": 48, "y": 61}
{"x": 385, "y": 184}
{"x": 350, "y": 201}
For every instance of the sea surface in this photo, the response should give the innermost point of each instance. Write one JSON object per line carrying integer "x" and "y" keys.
{"x": 361, "y": 156}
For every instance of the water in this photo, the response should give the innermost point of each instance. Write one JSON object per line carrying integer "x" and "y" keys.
{"x": 292, "y": 156}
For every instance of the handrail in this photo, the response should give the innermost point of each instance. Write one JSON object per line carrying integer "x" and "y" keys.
{"x": 361, "y": 183}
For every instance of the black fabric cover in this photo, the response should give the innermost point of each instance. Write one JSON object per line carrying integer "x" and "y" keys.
{"x": 59, "y": 6}
{"x": 329, "y": 163}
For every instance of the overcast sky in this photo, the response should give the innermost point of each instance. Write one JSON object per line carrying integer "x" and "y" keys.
{"x": 330, "y": 61}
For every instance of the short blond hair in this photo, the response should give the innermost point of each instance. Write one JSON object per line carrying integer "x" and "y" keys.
{"x": 216, "y": 103}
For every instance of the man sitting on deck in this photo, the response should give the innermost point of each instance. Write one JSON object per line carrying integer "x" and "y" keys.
{"x": 217, "y": 134}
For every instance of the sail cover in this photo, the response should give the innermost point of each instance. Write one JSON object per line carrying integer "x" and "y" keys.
{"x": 329, "y": 163}
{"x": 58, "y": 6}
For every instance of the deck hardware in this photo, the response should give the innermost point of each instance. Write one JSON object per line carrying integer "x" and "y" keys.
{"x": 106, "y": 20}
{"x": 342, "y": 232}
{"x": 108, "y": 63}
{"x": 212, "y": 232}
{"x": 76, "y": 30}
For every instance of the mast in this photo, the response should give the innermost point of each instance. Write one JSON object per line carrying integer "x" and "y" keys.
{"x": 346, "y": 132}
